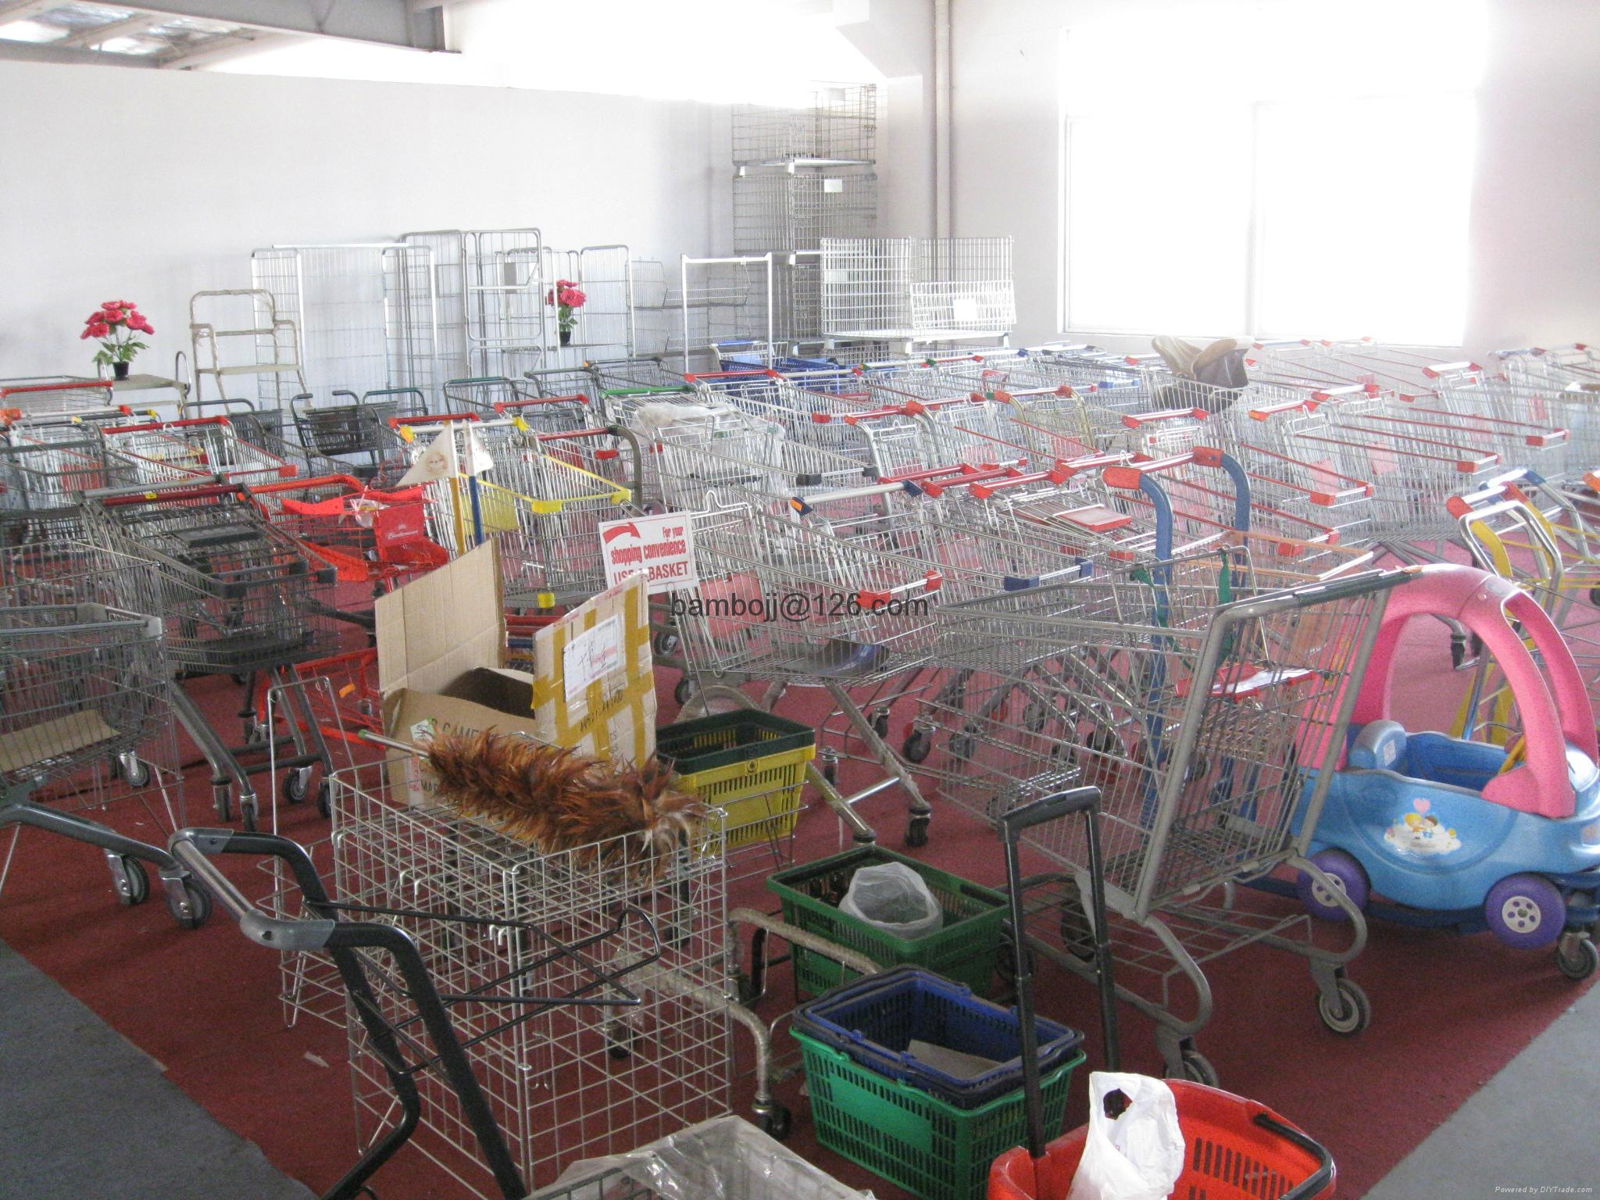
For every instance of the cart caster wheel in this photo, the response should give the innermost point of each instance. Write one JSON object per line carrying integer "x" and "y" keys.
{"x": 880, "y": 724}
{"x": 917, "y": 832}
{"x": 776, "y": 1122}
{"x": 620, "y": 1048}
{"x": 240, "y": 680}
{"x": 666, "y": 644}
{"x": 1353, "y": 1014}
{"x": 1525, "y": 911}
{"x": 685, "y": 690}
{"x": 324, "y": 799}
{"x": 189, "y": 904}
{"x": 1594, "y": 596}
{"x": 1576, "y": 956}
{"x": 296, "y": 784}
{"x": 1197, "y": 1068}
{"x": 132, "y": 881}
{"x": 917, "y": 745}
{"x": 1346, "y": 875}
{"x": 962, "y": 745}
{"x": 135, "y": 771}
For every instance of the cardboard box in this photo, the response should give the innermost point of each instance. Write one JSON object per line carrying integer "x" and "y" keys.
{"x": 594, "y": 681}
{"x": 441, "y": 642}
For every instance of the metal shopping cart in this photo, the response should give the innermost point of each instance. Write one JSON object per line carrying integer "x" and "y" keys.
{"x": 84, "y": 707}
{"x": 563, "y": 1080}
{"x": 1202, "y": 700}
{"x": 239, "y": 598}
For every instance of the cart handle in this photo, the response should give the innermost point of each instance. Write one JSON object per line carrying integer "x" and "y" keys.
{"x": 806, "y": 507}
{"x": 983, "y": 489}
{"x": 937, "y": 484}
{"x": 145, "y": 494}
{"x": 1282, "y": 406}
{"x": 180, "y": 423}
{"x": 1437, "y": 370}
{"x": 433, "y": 419}
{"x": 1050, "y": 808}
{"x": 26, "y": 388}
{"x": 1322, "y": 395}
{"x": 916, "y": 408}
{"x": 1502, "y": 486}
{"x": 1138, "y": 420}
{"x": 1004, "y": 396}
{"x": 288, "y": 485}
{"x": 713, "y": 375}
{"x": 1127, "y": 475}
{"x": 500, "y": 406}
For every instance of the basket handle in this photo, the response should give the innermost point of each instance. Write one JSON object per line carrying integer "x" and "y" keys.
{"x": 1313, "y": 1186}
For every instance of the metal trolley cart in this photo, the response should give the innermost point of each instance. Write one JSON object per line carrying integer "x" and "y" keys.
{"x": 1203, "y": 702}
{"x": 84, "y": 701}
{"x": 353, "y": 432}
{"x": 200, "y": 447}
{"x": 563, "y": 1080}
{"x": 239, "y": 598}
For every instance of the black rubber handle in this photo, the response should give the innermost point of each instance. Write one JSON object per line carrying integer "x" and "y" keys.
{"x": 1050, "y": 808}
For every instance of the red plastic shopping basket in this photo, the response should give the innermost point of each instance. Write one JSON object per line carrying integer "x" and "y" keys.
{"x": 1236, "y": 1150}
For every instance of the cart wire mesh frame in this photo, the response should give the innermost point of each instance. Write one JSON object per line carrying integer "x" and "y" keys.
{"x": 566, "y": 1081}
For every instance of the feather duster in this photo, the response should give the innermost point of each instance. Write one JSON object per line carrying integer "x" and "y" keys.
{"x": 559, "y": 800}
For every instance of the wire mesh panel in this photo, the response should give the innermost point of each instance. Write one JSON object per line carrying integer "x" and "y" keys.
{"x": 837, "y": 122}
{"x": 917, "y": 289}
{"x": 780, "y": 209}
{"x": 567, "y": 1078}
{"x": 724, "y": 300}
{"x": 365, "y": 313}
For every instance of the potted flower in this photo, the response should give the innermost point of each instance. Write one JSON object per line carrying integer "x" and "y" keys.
{"x": 567, "y": 298}
{"x": 115, "y": 324}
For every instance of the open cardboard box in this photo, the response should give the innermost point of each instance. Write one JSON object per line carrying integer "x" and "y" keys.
{"x": 441, "y": 649}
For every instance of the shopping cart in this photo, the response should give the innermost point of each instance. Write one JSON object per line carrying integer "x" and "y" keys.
{"x": 1201, "y": 696}
{"x": 84, "y": 704}
{"x": 199, "y": 448}
{"x": 353, "y": 432}
{"x": 239, "y": 598}
{"x": 573, "y": 1074}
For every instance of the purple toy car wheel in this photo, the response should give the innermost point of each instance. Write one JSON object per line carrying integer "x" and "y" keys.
{"x": 1525, "y": 911}
{"x": 1347, "y": 875}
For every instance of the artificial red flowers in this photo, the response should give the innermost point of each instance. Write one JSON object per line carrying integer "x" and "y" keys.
{"x": 567, "y": 298}
{"x": 115, "y": 324}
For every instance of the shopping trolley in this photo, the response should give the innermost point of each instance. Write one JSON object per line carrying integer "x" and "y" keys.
{"x": 238, "y": 598}
{"x": 573, "y": 1074}
{"x": 84, "y": 705}
{"x": 353, "y": 432}
{"x": 1201, "y": 700}
{"x": 197, "y": 447}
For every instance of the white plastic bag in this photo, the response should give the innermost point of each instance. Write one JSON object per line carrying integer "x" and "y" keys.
{"x": 1137, "y": 1155}
{"x": 894, "y": 898}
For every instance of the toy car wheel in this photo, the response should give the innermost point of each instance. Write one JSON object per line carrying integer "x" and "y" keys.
{"x": 1576, "y": 956}
{"x": 1345, "y": 873}
{"x": 1354, "y": 1011}
{"x": 1525, "y": 911}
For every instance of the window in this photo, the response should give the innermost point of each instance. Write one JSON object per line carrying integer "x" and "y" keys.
{"x": 1286, "y": 169}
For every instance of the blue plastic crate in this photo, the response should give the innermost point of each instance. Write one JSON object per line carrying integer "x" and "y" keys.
{"x": 875, "y": 1018}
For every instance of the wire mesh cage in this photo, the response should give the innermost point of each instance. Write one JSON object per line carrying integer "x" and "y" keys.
{"x": 917, "y": 289}
{"x": 365, "y": 313}
{"x": 566, "y": 1079}
{"x": 777, "y": 209}
{"x": 837, "y": 122}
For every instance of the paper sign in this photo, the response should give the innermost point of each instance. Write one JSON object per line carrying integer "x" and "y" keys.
{"x": 437, "y": 461}
{"x": 662, "y": 547}
{"x": 591, "y": 656}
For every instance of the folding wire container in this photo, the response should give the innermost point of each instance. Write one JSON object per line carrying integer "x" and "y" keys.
{"x": 568, "y": 1077}
{"x": 917, "y": 289}
{"x": 834, "y": 123}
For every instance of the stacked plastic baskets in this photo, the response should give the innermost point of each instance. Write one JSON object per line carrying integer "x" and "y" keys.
{"x": 750, "y": 764}
{"x": 964, "y": 948}
{"x": 905, "y": 1111}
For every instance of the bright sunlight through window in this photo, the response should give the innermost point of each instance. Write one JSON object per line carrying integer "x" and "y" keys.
{"x": 1288, "y": 169}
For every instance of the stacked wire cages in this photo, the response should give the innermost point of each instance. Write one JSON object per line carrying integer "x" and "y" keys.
{"x": 365, "y": 314}
{"x": 917, "y": 291}
{"x": 1204, "y": 697}
{"x": 568, "y": 1071}
{"x": 88, "y": 748}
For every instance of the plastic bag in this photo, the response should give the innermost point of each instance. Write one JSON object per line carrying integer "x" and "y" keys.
{"x": 1136, "y": 1155}
{"x": 894, "y": 898}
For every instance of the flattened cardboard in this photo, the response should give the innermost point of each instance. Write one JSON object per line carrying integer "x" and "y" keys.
{"x": 612, "y": 716}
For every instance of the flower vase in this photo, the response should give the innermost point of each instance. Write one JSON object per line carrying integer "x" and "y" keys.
{"x": 566, "y": 337}
{"x": 119, "y": 370}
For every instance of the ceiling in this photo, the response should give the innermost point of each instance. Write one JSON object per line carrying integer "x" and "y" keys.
{"x": 188, "y": 33}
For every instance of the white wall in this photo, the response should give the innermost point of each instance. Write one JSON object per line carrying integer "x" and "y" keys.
{"x": 896, "y": 37}
{"x": 1534, "y": 239}
{"x": 119, "y": 183}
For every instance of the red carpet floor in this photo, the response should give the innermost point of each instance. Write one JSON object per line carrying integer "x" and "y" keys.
{"x": 1449, "y": 1010}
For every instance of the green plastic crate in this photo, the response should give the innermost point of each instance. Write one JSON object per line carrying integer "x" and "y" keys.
{"x": 912, "y": 1138}
{"x": 964, "y": 949}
